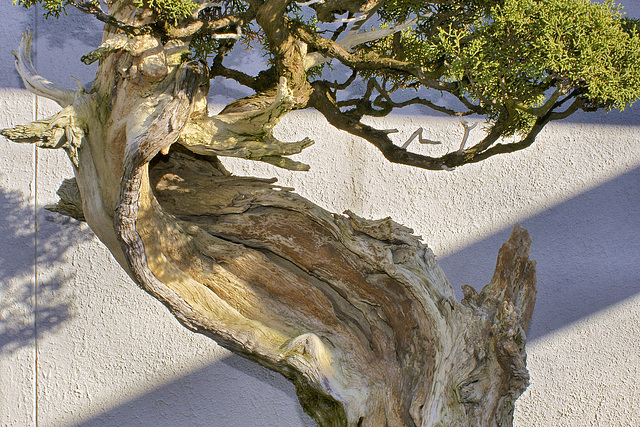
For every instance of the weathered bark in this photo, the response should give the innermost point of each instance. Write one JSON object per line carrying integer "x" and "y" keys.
{"x": 356, "y": 313}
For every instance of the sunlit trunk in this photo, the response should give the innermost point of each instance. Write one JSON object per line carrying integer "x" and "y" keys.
{"x": 355, "y": 312}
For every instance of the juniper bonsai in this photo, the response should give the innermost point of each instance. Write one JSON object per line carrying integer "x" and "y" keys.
{"x": 355, "y": 312}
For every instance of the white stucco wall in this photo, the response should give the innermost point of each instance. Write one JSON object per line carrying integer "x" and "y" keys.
{"x": 81, "y": 345}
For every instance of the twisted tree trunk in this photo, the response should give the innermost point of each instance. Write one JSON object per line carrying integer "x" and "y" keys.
{"x": 356, "y": 313}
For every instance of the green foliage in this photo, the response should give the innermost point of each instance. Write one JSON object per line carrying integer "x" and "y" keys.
{"x": 400, "y": 10}
{"x": 171, "y": 11}
{"x": 51, "y": 7}
{"x": 204, "y": 44}
{"x": 573, "y": 41}
{"x": 507, "y": 55}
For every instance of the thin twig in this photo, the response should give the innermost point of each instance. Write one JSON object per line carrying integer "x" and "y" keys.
{"x": 421, "y": 140}
{"x": 467, "y": 131}
{"x": 95, "y": 10}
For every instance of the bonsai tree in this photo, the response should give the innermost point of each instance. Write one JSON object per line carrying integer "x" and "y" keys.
{"x": 355, "y": 312}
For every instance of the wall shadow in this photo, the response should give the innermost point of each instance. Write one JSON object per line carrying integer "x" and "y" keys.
{"x": 234, "y": 386}
{"x": 58, "y": 44}
{"x": 587, "y": 253}
{"x": 56, "y": 235}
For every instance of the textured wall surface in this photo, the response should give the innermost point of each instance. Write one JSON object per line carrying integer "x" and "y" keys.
{"x": 81, "y": 345}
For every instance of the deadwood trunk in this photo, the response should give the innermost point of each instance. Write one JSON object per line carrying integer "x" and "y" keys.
{"x": 356, "y": 313}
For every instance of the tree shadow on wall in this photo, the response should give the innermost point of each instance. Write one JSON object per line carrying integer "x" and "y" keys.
{"x": 33, "y": 304}
{"x": 237, "y": 398}
{"x": 586, "y": 249}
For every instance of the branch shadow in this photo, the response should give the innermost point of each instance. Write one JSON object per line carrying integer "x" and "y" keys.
{"x": 58, "y": 44}
{"x": 233, "y": 384}
{"x": 34, "y": 304}
{"x": 68, "y": 38}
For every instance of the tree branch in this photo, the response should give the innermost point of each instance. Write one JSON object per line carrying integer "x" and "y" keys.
{"x": 94, "y": 9}
{"x": 70, "y": 203}
{"x": 421, "y": 140}
{"x": 577, "y": 104}
{"x": 321, "y": 101}
{"x": 112, "y": 44}
{"x": 386, "y": 95}
{"x": 287, "y": 51}
{"x": 328, "y": 49}
{"x": 192, "y": 26}
{"x": 64, "y": 130}
{"x": 327, "y": 9}
{"x": 370, "y": 61}
{"x": 35, "y": 83}
{"x": 483, "y": 153}
{"x": 244, "y": 129}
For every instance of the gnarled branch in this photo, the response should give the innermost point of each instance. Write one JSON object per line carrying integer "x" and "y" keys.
{"x": 354, "y": 38}
{"x": 64, "y": 130}
{"x": 35, "y": 83}
{"x": 246, "y": 131}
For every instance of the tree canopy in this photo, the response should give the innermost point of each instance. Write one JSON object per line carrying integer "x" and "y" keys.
{"x": 519, "y": 64}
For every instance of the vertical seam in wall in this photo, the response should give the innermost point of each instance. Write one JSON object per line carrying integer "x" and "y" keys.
{"x": 35, "y": 240}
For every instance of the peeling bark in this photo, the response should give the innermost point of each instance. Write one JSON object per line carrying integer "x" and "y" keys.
{"x": 356, "y": 313}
